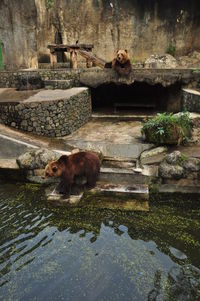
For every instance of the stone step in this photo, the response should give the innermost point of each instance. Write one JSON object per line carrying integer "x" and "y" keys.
{"x": 115, "y": 196}
{"x": 59, "y": 84}
{"x": 122, "y": 176}
{"x": 107, "y": 196}
{"x": 121, "y": 117}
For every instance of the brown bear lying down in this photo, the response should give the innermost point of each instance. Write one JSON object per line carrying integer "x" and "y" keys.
{"x": 121, "y": 63}
{"x": 78, "y": 164}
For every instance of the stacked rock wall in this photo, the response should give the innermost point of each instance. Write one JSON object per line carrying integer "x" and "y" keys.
{"x": 49, "y": 118}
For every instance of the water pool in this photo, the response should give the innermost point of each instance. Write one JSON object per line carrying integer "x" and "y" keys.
{"x": 88, "y": 254}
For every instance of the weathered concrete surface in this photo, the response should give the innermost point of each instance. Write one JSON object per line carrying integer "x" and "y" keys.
{"x": 143, "y": 27}
{"x": 165, "y": 77}
{"x": 12, "y": 148}
{"x": 112, "y": 139}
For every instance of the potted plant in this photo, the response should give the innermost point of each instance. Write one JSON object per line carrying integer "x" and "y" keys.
{"x": 168, "y": 128}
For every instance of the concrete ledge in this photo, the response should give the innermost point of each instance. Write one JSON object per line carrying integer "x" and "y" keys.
{"x": 165, "y": 77}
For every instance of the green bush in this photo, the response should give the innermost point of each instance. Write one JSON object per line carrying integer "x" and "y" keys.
{"x": 171, "y": 50}
{"x": 168, "y": 128}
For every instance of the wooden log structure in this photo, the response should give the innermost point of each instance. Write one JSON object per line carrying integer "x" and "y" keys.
{"x": 82, "y": 49}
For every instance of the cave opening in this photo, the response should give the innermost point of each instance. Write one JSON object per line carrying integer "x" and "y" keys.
{"x": 139, "y": 96}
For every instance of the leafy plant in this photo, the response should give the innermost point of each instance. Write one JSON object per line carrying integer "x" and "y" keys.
{"x": 171, "y": 50}
{"x": 168, "y": 128}
{"x": 49, "y": 3}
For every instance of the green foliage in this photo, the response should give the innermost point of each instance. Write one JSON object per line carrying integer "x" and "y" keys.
{"x": 171, "y": 50}
{"x": 167, "y": 128}
{"x": 49, "y": 3}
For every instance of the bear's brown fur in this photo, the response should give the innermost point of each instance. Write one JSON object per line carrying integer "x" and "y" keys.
{"x": 121, "y": 63}
{"x": 78, "y": 164}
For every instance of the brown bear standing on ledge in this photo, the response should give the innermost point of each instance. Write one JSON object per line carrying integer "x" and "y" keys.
{"x": 121, "y": 63}
{"x": 78, "y": 164}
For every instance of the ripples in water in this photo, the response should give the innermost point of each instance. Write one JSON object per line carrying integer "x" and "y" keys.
{"x": 55, "y": 254}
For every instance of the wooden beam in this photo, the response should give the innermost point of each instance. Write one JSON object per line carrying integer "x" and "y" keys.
{"x": 73, "y": 59}
{"x": 53, "y": 59}
{"x": 92, "y": 58}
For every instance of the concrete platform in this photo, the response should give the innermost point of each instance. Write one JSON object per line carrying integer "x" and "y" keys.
{"x": 12, "y": 95}
{"x": 120, "y": 139}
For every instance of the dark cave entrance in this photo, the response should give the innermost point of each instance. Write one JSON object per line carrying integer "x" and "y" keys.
{"x": 137, "y": 97}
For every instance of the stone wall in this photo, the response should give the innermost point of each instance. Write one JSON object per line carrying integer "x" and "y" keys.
{"x": 191, "y": 100}
{"x": 52, "y": 118}
{"x": 9, "y": 79}
{"x": 94, "y": 77}
{"x": 143, "y": 27}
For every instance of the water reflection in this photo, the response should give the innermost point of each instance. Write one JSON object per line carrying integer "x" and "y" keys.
{"x": 79, "y": 254}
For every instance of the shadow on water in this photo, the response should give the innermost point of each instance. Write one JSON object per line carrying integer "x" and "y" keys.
{"x": 88, "y": 254}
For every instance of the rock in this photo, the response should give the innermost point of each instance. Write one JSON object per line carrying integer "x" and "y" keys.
{"x": 43, "y": 156}
{"x": 191, "y": 165}
{"x": 150, "y": 170}
{"x": 192, "y": 60}
{"x": 36, "y": 159}
{"x": 153, "y": 152}
{"x": 173, "y": 158}
{"x": 185, "y": 283}
{"x": 169, "y": 171}
{"x": 26, "y": 161}
{"x": 161, "y": 61}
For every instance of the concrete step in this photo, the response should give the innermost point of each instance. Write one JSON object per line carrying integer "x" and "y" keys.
{"x": 121, "y": 116}
{"x": 107, "y": 196}
{"x": 122, "y": 176}
{"x": 59, "y": 84}
{"x": 115, "y": 196}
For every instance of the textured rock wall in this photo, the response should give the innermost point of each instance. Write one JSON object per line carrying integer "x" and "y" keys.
{"x": 18, "y": 22}
{"x": 49, "y": 118}
{"x": 144, "y": 27}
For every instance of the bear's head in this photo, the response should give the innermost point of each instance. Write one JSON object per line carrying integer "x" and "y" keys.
{"x": 56, "y": 168}
{"x": 122, "y": 56}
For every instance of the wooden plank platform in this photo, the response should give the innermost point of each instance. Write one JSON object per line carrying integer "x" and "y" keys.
{"x": 82, "y": 49}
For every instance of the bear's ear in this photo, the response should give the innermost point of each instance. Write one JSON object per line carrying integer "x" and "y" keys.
{"x": 117, "y": 51}
{"x": 126, "y": 50}
{"x": 62, "y": 159}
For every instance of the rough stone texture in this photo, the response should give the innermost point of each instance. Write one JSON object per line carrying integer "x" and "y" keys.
{"x": 153, "y": 152}
{"x": 192, "y": 164}
{"x": 192, "y": 60}
{"x": 30, "y": 81}
{"x": 191, "y": 100}
{"x": 177, "y": 166}
{"x": 173, "y": 158}
{"x": 166, "y": 77}
{"x": 143, "y": 27}
{"x": 171, "y": 171}
{"x": 59, "y": 84}
{"x": 165, "y": 61}
{"x": 95, "y": 77}
{"x": 49, "y": 113}
{"x": 10, "y": 79}
{"x": 36, "y": 159}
